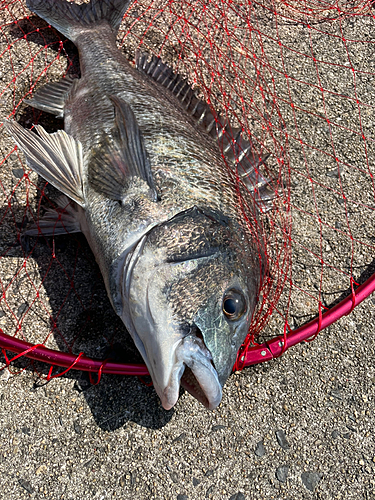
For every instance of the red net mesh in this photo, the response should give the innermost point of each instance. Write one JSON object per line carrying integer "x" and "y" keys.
{"x": 297, "y": 76}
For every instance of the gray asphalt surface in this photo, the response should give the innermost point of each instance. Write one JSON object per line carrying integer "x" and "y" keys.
{"x": 299, "y": 427}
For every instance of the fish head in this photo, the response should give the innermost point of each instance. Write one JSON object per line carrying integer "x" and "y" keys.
{"x": 191, "y": 290}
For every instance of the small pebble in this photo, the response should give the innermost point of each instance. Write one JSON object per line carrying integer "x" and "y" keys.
{"x": 260, "y": 450}
{"x": 333, "y": 173}
{"x": 77, "y": 427}
{"x": 89, "y": 462}
{"x": 42, "y": 469}
{"x": 209, "y": 473}
{"x": 179, "y": 438}
{"x": 336, "y": 394}
{"x": 281, "y": 439}
{"x": 182, "y": 497}
{"x": 195, "y": 481}
{"x": 217, "y": 428}
{"x": 237, "y": 496}
{"x": 2, "y": 313}
{"x": 26, "y": 430}
{"x": 18, "y": 172}
{"x": 22, "y": 308}
{"x": 26, "y": 485}
{"x": 209, "y": 491}
{"x": 335, "y": 434}
{"x": 311, "y": 479}
{"x": 282, "y": 473}
{"x": 174, "y": 477}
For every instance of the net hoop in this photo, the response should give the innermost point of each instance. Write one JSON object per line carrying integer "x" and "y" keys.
{"x": 260, "y": 353}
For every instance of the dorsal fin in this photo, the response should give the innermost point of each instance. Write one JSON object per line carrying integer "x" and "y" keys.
{"x": 236, "y": 149}
{"x": 163, "y": 74}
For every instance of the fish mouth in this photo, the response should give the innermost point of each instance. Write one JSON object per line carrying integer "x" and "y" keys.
{"x": 195, "y": 372}
{"x": 190, "y": 383}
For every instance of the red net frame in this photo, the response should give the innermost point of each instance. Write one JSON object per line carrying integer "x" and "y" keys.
{"x": 224, "y": 51}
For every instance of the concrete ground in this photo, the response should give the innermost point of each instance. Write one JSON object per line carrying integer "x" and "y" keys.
{"x": 299, "y": 427}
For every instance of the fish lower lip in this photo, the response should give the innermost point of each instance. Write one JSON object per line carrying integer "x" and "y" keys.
{"x": 191, "y": 385}
{"x": 195, "y": 372}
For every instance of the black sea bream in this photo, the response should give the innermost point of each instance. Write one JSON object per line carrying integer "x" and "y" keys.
{"x": 139, "y": 160}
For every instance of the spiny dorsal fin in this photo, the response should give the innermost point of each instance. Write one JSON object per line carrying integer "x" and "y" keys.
{"x": 57, "y": 157}
{"x": 236, "y": 149}
{"x": 162, "y": 73}
{"x": 121, "y": 157}
{"x": 52, "y": 97}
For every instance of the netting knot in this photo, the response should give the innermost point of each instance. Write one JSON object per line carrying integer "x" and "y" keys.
{"x": 99, "y": 373}
{"x": 353, "y": 295}
{"x": 50, "y": 376}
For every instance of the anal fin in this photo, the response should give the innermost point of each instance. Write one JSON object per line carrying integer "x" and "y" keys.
{"x": 52, "y": 97}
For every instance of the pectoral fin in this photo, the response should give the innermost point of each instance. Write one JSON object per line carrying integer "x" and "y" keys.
{"x": 57, "y": 157}
{"x": 121, "y": 160}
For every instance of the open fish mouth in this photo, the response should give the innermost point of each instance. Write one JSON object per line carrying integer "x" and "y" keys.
{"x": 195, "y": 371}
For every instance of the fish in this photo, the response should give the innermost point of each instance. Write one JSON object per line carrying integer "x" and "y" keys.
{"x": 142, "y": 165}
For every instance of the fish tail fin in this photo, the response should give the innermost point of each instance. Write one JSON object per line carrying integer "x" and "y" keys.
{"x": 69, "y": 18}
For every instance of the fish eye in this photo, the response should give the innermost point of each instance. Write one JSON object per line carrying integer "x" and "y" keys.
{"x": 234, "y": 304}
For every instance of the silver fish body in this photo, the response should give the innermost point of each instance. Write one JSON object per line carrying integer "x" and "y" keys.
{"x": 154, "y": 198}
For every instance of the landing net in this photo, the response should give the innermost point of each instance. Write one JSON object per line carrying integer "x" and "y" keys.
{"x": 298, "y": 78}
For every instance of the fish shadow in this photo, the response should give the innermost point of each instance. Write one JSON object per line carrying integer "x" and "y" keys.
{"x": 81, "y": 319}
{"x": 80, "y": 316}
{"x": 37, "y": 31}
